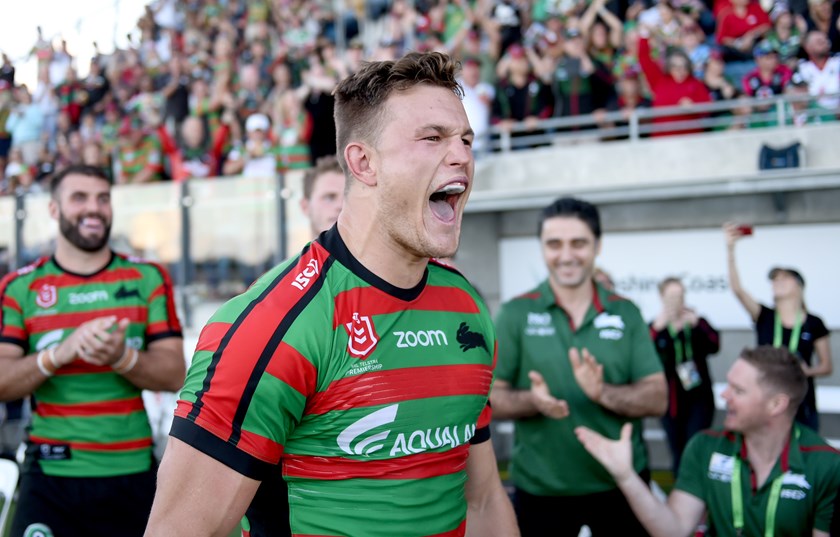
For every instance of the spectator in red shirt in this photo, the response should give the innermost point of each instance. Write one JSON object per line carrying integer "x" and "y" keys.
{"x": 739, "y": 26}
{"x": 674, "y": 85}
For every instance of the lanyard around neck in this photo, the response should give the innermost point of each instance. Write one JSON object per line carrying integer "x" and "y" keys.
{"x": 738, "y": 498}
{"x": 795, "y": 332}
{"x": 682, "y": 353}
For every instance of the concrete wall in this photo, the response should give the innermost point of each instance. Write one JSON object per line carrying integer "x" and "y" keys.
{"x": 665, "y": 160}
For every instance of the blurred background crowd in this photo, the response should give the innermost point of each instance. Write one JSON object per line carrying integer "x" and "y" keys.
{"x": 243, "y": 87}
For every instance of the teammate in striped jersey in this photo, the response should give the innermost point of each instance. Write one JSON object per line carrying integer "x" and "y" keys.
{"x": 360, "y": 365}
{"x": 85, "y": 331}
{"x": 323, "y": 197}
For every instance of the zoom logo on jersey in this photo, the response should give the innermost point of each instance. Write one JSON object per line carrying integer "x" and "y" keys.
{"x": 354, "y": 440}
{"x": 305, "y": 276}
{"x": 423, "y": 338}
{"x": 87, "y": 298}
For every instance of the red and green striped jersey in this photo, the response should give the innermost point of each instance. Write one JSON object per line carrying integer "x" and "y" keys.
{"x": 369, "y": 393}
{"x": 88, "y": 421}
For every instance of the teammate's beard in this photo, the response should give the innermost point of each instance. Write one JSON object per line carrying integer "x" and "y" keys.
{"x": 71, "y": 232}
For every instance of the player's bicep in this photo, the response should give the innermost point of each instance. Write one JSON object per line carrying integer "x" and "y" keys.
{"x": 197, "y": 495}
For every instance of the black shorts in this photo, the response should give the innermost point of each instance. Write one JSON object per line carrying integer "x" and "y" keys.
{"x": 50, "y": 506}
{"x": 607, "y": 514}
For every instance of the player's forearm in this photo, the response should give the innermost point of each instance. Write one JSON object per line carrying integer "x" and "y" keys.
{"x": 648, "y": 397}
{"x": 20, "y": 376}
{"x": 510, "y": 403}
{"x": 493, "y": 518}
{"x": 158, "y": 370}
{"x": 655, "y": 516}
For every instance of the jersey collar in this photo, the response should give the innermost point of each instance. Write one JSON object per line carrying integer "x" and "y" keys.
{"x": 334, "y": 244}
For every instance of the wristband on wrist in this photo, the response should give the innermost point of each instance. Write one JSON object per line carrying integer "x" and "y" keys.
{"x": 46, "y": 364}
{"x": 127, "y": 361}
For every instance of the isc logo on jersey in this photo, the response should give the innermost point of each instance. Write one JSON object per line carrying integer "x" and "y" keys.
{"x": 421, "y": 338}
{"x": 360, "y": 439}
{"x": 305, "y": 276}
{"x": 87, "y": 298}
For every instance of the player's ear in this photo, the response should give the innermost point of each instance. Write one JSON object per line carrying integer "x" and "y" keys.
{"x": 359, "y": 162}
{"x": 53, "y": 208}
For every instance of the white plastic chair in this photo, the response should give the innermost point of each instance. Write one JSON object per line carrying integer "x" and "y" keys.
{"x": 9, "y": 474}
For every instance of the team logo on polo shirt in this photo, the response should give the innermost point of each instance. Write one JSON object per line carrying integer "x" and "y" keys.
{"x": 363, "y": 338}
{"x": 47, "y": 296}
{"x": 609, "y": 326}
{"x": 539, "y": 324}
{"x": 795, "y": 480}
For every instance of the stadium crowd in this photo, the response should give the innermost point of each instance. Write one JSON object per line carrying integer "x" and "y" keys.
{"x": 220, "y": 87}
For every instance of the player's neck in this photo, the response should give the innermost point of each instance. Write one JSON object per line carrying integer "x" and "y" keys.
{"x": 78, "y": 261}
{"x": 372, "y": 249}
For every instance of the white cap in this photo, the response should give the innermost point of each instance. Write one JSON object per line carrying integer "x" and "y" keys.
{"x": 257, "y": 122}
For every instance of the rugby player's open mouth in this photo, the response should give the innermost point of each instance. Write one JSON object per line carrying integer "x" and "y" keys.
{"x": 443, "y": 201}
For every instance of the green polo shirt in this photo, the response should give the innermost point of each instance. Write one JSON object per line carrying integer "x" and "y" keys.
{"x": 811, "y": 471}
{"x": 535, "y": 333}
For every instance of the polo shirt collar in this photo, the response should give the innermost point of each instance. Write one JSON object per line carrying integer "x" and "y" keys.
{"x": 790, "y": 458}
{"x": 547, "y": 299}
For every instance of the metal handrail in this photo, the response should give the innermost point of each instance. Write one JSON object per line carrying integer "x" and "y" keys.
{"x": 597, "y": 127}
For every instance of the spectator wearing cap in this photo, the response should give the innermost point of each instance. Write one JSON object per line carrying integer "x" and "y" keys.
{"x": 787, "y": 324}
{"x": 478, "y": 101}
{"x": 674, "y": 85}
{"x": 803, "y": 112}
{"x": 821, "y": 70}
{"x": 786, "y": 35}
{"x": 767, "y": 80}
{"x": 520, "y": 95}
{"x": 257, "y": 156}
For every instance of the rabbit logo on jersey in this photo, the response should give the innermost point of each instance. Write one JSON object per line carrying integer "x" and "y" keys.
{"x": 353, "y": 439}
